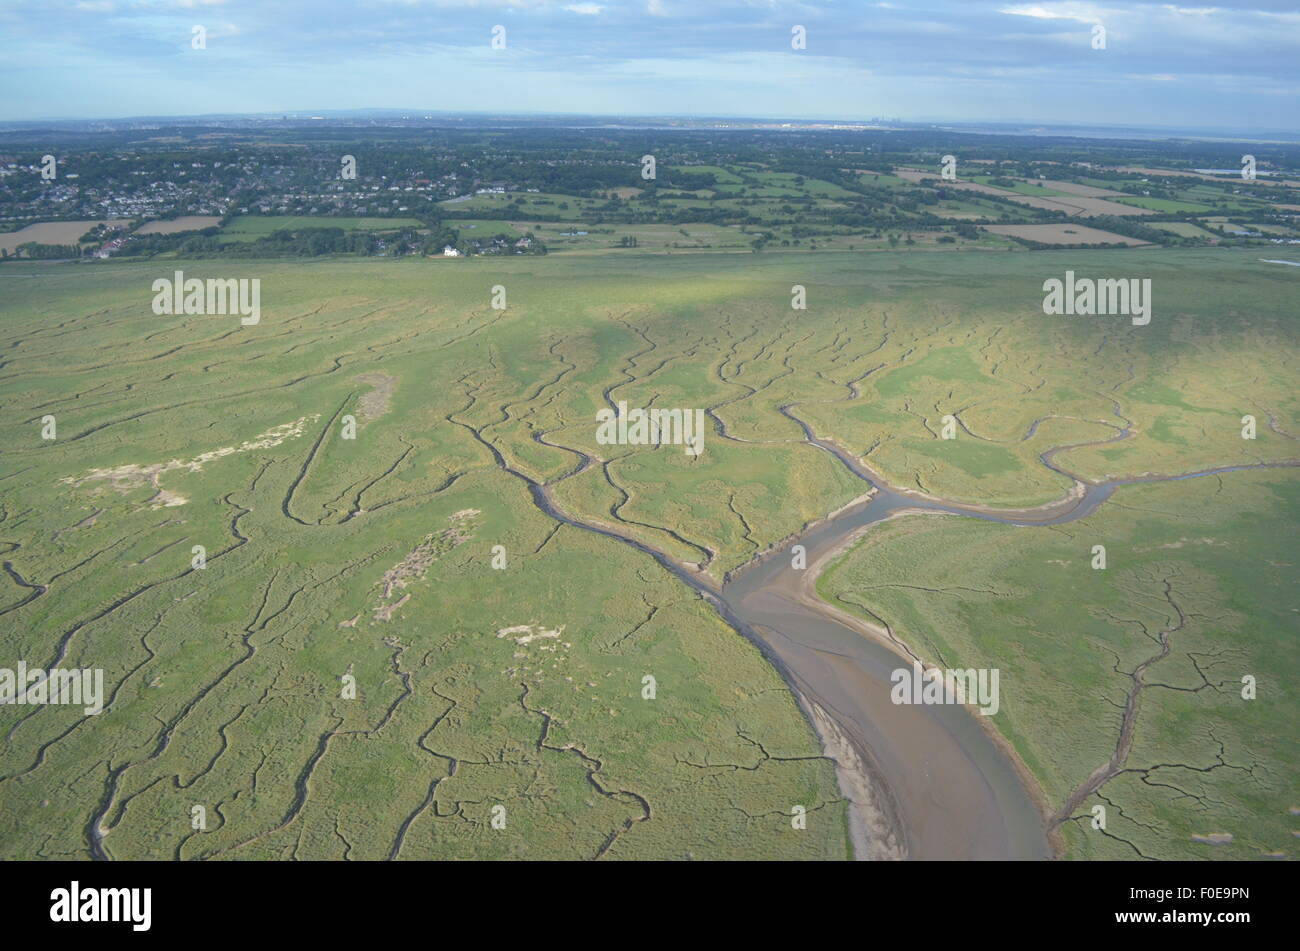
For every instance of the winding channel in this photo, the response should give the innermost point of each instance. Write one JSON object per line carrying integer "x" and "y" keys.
{"x": 933, "y": 782}
{"x": 923, "y": 781}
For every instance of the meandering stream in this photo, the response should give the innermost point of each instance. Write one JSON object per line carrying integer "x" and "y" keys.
{"x": 940, "y": 780}
{"x": 926, "y": 781}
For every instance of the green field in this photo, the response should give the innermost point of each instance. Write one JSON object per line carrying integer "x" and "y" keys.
{"x": 1020, "y": 187}
{"x": 1184, "y": 229}
{"x": 1163, "y": 204}
{"x": 498, "y": 207}
{"x": 723, "y": 175}
{"x": 487, "y": 228}
{"x": 252, "y": 227}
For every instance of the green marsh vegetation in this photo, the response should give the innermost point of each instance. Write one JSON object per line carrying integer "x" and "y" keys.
{"x": 521, "y": 687}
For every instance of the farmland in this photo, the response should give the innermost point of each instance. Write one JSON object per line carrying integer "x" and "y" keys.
{"x": 1063, "y": 234}
{"x": 421, "y": 190}
{"x": 51, "y": 232}
{"x": 184, "y": 223}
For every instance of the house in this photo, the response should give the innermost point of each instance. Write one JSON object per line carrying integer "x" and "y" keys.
{"x": 449, "y": 252}
{"x": 111, "y": 247}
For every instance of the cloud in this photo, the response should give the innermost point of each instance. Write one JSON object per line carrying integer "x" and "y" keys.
{"x": 660, "y": 56}
{"x": 1079, "y": 12}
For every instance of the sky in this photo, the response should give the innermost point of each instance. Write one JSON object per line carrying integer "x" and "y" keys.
{"x": 1230, "y": 65}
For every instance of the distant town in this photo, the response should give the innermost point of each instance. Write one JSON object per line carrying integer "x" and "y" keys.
{"x": 401, "y": 187}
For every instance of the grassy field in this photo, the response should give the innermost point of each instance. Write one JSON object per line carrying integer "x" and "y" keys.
{"x": 1164, "y": 204}
{"x": 1184, "y": 229}
{"x": 1021, "y": 187}
{"x": 372, "y": 557}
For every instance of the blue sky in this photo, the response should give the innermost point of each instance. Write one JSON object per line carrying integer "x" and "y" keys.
{"x": 1229, "y": 65}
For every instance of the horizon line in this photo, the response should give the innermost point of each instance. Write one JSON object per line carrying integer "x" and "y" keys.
{"x": 877, "y": 122}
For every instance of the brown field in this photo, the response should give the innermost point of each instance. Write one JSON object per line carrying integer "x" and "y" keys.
{"x": 1063, "y": 234}
{"x": 47, "y": 232}
{"x": 914, "y": 174}
{"x": 626, "y": 192}
{"x": 184, "y": 223}
{"x": 1081, "y": 207}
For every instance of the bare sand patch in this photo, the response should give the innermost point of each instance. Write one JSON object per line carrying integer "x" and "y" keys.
{"x": 375, "y": 403}
{"x": 133, "y": 476}
{"x": 165, "y": 498}
{"x": 416, "y": 564}
{"x": 527, "y": 633}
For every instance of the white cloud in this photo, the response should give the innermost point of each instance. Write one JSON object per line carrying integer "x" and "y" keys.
{"x": 1079, "y": 12}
